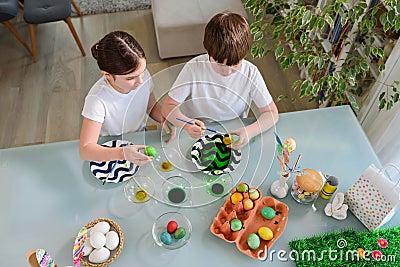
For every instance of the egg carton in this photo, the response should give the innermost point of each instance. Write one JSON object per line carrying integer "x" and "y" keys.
{"x": 252, "y": 220}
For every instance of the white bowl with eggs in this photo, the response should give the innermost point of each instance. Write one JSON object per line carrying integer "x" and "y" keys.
{"x": 104, "y": 243}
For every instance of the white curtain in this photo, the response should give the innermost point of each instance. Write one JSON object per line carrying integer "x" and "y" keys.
{"x": 383, "y": 127}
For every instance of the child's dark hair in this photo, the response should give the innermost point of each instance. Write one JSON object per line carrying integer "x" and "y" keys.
{"x": 118, "y": 53}
{"x": 227, "y": 36}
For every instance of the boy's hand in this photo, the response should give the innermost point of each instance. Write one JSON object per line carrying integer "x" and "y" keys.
{"x": 170, "y": 130}
{"x": 196, "y": 130}
{"x": 242, "y": 140}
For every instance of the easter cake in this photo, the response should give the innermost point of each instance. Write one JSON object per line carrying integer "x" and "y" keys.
{"x": 251, "y": 221}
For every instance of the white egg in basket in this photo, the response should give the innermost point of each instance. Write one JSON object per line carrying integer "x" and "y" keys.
{"x": 104, "y": 243}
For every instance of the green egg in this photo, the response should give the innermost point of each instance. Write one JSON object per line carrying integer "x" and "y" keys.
{"x": 180, "y": 233}
{"x": 150, "y": 151}
{"x": 236, "y": 225}
{"x": 268, "y": 213}
{"x": 242, "y": 187}
{"x": 253, "y": 241}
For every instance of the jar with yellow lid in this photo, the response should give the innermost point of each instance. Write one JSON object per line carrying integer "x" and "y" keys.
{"x": 307, "y": 186}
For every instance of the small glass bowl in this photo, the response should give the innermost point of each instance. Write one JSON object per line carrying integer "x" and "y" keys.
{"x": 167, "y": 159}
{"x": 139, "y": 189}
{"x": 218, "y": 186}
{"x": 160, "y": 229}
{"x": 176, "y": 190}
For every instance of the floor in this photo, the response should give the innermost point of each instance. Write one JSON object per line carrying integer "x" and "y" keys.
{"x": 41, "y": 102}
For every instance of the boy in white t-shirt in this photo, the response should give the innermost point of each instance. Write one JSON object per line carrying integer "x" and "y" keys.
{"x": 119, "y": 101}
{"x": 221, "y": 84}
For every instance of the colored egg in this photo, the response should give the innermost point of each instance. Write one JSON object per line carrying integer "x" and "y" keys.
{"x": 180, "y": 233}
{"x": 242, "y": 187}
{"x": 236, "y": 225}
{"x": 172, "y": 226}
{"x": 236, "y": 197}
{"x": 268, "y": 213}
{"x": 254, "y": 194}
{"x": 227, "y": 139}
{"x": 253, "y": 241}
{"x": 290, "y": 145}
{"x": 150, "y": 151}
{"x": 265, "y": 233}
{"x": 166, "y": 166}
{"x": 248, "y": 204}
{"x": 166, "y": 238}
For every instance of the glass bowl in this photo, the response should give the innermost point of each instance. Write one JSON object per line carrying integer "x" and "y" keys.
{"x": 167, "y": 159}
{"x": 176, "y": 190}
{"x": 139, "y": 189}
{"x": 173, "y": 240}
{"x": 218, "y": 186}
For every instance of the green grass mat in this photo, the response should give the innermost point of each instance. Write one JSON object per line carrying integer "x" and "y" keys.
{"x": 348, "y": 248}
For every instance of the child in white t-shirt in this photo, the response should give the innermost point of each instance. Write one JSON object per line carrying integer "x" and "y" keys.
{"x": 221, "y": 84}
{"x": 119, "y": 101}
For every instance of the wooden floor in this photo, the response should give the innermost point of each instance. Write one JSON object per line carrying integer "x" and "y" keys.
{"x": 42, "y": 102}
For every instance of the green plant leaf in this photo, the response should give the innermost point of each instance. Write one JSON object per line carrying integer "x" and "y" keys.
{"x": 304, "y": 38}
{"x": 328, "y": 18}
{"x": 382, "y": 104}
{"x": 381, "y": 96}
{"x": 353, "y": 103}
{"x": 364, "y": 65}
{"x": 296, "y": 84}
{"x": 279, "y": 51}
{"x": 396, "y": 97}
{"x": 258, "y": 36}
{"x": 391, "y": 15}
{"x": 254, "y": 51}
{"x": 281, "y": 97}
{"x": 306, "y": 17}
{"x": 397, "y": 24}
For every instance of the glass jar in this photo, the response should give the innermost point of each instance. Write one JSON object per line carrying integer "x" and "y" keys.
{"x": 306, "y": 186}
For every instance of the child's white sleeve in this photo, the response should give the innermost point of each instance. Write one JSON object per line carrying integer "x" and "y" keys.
{"x": 94, "y": 108}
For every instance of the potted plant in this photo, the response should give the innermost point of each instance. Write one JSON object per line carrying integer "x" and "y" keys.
{"x": 333, "y": 42}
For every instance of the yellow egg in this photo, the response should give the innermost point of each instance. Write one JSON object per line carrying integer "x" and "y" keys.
{"x": 248, "y": 204}
{"x": 227, "y": 139}
{"x": 254, "y": 194}
{"x": 265, "y": 233}
{"x": 236, "y": 197}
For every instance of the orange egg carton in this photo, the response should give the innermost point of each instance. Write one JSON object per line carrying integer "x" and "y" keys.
{"x": 252, "y": 220}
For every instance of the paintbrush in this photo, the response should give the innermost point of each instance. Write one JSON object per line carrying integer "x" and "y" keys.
{"x": 192, "y": 123}
{"x": 112, "y": 169}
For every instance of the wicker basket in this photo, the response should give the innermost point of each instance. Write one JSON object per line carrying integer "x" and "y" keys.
{"x": 114, "y": 253}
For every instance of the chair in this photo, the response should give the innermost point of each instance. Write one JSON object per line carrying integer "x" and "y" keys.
{"x": 8, "y": 10}
{"x": 44, "y": 11}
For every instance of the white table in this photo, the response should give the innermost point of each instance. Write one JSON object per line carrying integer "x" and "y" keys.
{"x": 48, "y": 193}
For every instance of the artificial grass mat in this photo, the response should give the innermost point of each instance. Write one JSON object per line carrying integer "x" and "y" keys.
{"x": 349, "y": 248}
